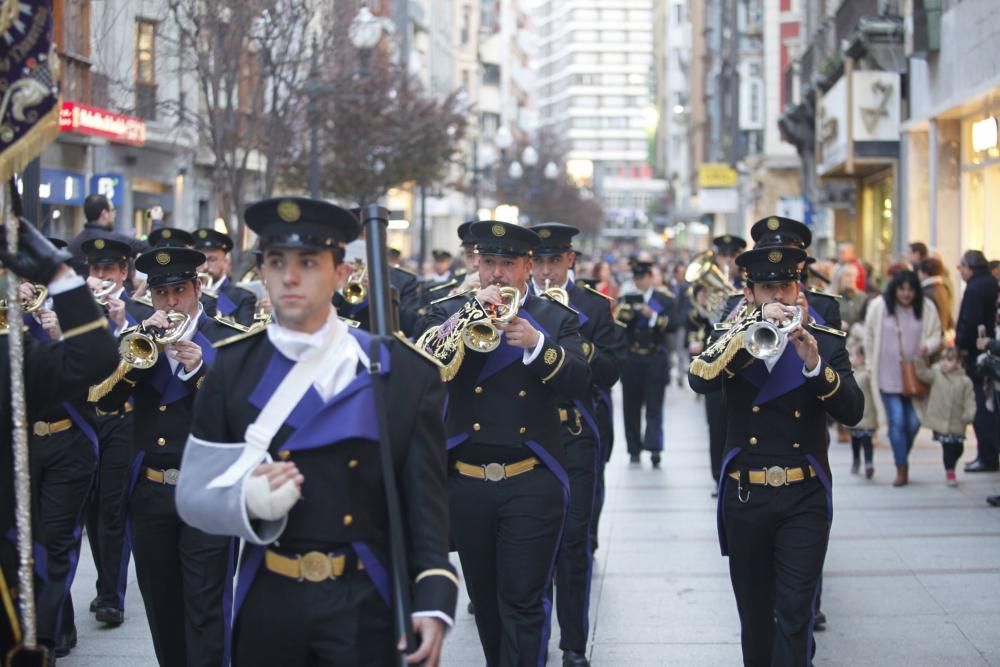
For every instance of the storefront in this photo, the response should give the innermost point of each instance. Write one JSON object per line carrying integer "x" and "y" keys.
{"x": 857, "y": 139}
{"x": 980, "y": 226}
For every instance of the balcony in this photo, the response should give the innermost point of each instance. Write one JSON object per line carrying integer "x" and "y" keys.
{"x": 145, "y": 100}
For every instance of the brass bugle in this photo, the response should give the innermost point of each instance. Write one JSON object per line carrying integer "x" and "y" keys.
{"x": 764, "y": 339}
{"x": 141, "y": 348}
{"x": 482, "y": 335}
{"x": 355, "y": 290}
{"x": 557, "y": 294}
{"x": 103, "y": 293}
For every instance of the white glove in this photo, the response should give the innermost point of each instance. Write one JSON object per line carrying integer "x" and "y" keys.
{"x": 263, "y": 503}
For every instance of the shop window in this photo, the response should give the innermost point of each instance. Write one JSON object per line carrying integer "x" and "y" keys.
{"x": 145, "y": 69}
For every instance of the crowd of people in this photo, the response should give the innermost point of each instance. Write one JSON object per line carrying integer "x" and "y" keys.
{"x": 256, "y": 412}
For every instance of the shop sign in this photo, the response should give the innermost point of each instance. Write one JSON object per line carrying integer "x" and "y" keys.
{"x": 111, "y": 186}
{"x": 984, "y": 134}
{"x": 62, "y": 188}
{"x": 716, "y": 175}
{"x": 97, "y": 122}
{"x": 873, "y": 116}
{"x": 831, "y": 127}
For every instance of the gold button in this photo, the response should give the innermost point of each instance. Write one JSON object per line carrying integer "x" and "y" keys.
{"x": 353, "y": 463}
{"x": 284, "y": 456}
{"x": 756, "y": 408}
{"x": 161, "y": 441}
{"x": 479, "y": 390}
{"x": 797, "y": 414}
{"x": 163, "y": 408}
{"x": 476, "y": 427}
{"x": 522, "y": 393}
{"x": 348, "y": 519}
{"x": 796, "y": 445}
{"x": 524, "y": 429}
{"x": 753, "y": 441}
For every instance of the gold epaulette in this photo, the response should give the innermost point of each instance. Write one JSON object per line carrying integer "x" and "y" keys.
{"x": 450, "y": 296}
{"x": 817, "y": 292}
{"x": 104, "y": 387}
{"x": 144, "y": 300}
{"x": 559, "y": 303}
{"x": 719, "y": 354}
{"x": 231, "y": 323}
{"x": 600, "y": 294}
{"x": 736, "y": 292}
{"x": 252, "y": 331}
{"x": 825, "y": 329}
{"x": 450, "y": 283}
{"x": 722, "y": 326}
{"x": 408, "y": 343}
{"x": 406, "y": 271}
{"x": 354, "y": 324}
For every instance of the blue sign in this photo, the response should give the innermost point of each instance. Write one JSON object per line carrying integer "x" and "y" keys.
{"x": 61, "y": 187}
{"x": 111, "y": 186}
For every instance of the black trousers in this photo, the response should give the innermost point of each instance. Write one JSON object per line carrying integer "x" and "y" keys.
{"x": 859, "y": 444}
{"x": 507, "y": 535}
{"x": 106, "y": 510}
{"x": 644, "y": 383}
{"x": 605, "y": 424}
{"x": 985, "y": 426}
{"x": 182, "y": 575}
{"x": 777, "y": 544}
{"x": 576, "y": 560}
{"x": 714, "y": 413}
{"x": 341, "y": 623}
{"x": 62, "y": 470}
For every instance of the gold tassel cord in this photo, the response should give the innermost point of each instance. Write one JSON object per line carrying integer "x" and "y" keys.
{"x": 709, "y": 370}
{"x": 15, "y": 157}
{"x": 102, "y": 389}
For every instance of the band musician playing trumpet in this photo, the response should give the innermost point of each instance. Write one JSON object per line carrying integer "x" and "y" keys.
{"x": 780, "y": 375}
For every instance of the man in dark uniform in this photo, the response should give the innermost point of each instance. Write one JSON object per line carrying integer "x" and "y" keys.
{"x": 580, "y": 434}
{"x": 774, "y": 496}
{"x": 108, "y": 259}
{"x": 313, "y": 587}
{"x": 170, "y": 237}
{"x": 183, "y": 573}
{"x": 508, "y": 487}
{"x": 53, "y": 372}
{"x": 649, "y": 317}
{"x": 727, "y": 247}
{"x": 441, "y": 269}
{"x": 224, "y": 298}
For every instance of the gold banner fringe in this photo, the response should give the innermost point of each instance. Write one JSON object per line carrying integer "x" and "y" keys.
{"x": 16, "y": 157}
{"x": 709, "y": 370}
{"x": 99, "y": 391}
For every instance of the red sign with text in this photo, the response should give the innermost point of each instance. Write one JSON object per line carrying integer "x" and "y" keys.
{"x": 85, "y": 119}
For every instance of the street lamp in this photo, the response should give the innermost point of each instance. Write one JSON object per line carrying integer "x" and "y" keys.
{"x": 529, "y": 156}
{"x": 365, "y": 32}
{"x": 515, "y": 171}
{"x": 551, "y": 171}
{"x": 504, "y": 139}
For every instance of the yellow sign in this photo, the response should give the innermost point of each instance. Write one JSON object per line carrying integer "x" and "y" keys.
{"x": 717, "y": 175}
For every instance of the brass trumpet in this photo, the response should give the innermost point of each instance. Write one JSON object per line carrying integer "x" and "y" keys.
{"x": 141, "y": 348}
{"x": 36, "y": 302}
{"x": 103, "y": 293}
{"x": 763, "y": 339}
{"x": 557, "y": 294}
{"x": 355, "y": 290}
{"x": 209, "y": 285}
{"x": 482, "y": 335}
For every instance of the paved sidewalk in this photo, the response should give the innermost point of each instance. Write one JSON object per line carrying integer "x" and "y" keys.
{"x": 912, "y": 577}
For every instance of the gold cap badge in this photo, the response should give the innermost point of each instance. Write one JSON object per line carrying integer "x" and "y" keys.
{"x": 163, "y": 258}
{"x": 774, "y": 256}
{"x": 99, "y": 244}
{"x": 773, "y": 224}
{"x": 289, "y": 211}
{"x": 545, "y": 233}
{"x": 203, "y": 233}
{"x": 498, "y": 230}
{"x": 166, "y": 234}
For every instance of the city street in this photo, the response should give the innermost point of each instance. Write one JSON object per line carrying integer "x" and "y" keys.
{"x": 912, "y": 577}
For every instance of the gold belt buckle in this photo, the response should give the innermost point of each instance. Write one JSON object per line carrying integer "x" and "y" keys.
{"x": 41, "y": 428}
{"x": 171, "y": 476}
{"x": 494, "y": 472}
{"x": 315, "y": 567}
{"x": 776, "y": 476}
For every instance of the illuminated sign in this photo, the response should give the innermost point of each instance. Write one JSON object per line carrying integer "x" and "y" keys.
{"x": 85, "y": 119}
{"x": 984, "y": 134}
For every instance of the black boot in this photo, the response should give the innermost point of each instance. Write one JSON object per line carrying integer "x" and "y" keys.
{"x": 655, "y": 458}
{"x": 65, "y": 644}
{"x": 575, "y": 659}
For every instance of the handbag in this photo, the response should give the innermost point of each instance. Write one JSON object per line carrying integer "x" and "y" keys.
{"x": 912, "y": 386}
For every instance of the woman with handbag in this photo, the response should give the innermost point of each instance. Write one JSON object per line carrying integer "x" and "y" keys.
{"x": 900, "y": 325}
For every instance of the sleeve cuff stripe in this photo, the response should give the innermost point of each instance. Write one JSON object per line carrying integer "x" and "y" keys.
{"x": 101, "y": 323}
{"x": 437, "y": 572}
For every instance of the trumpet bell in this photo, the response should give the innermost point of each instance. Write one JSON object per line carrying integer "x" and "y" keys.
{"x": 481, "y": 336}
{"x": 764, "y": 339}
{"x": 138, "y": 350}
{"x": 355, "y": 293}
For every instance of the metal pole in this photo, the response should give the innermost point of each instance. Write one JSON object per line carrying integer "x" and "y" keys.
{"x": 31, "y": 202}
{"x": 423, "y": 226}
{"x": 313, "y": 114}
{"x": 475, "y": 179}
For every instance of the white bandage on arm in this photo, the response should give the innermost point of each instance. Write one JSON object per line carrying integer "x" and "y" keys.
{"x": 263, "y": 503}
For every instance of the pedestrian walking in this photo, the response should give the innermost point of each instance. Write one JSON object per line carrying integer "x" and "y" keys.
{"x": 862, "y": 432}
{"x": 951, "y": 405}
{"x": 936, "y": 288}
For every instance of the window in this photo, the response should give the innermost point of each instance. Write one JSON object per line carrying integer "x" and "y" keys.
{"x": 585, "y": 14}
{"x": 613, "y": 101}
{"x": 491, "y": 74}
{"x": 640, "y": 16}
{"x": 585, "y": 101}
{"x": 609, "y": 15}
{"x": 612, "y": 58}
{"x": 588, "y": 58}
{"x": 584, "y": 36}
{"x": 145, "y": 33}
{"x": 613, "y": 36}
{"x": 71, "y": 23}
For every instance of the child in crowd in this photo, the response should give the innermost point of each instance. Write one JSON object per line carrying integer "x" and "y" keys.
{"x": 951, "y": 405}
{"x": 861, "y": 433}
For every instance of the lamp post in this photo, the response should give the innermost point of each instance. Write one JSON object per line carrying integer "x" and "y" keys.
{"x": 365, "y": 32}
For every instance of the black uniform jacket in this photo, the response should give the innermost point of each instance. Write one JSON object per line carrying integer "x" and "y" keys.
{"x": 780, "y": 418}
{"x": 164, "y": 403}
{"x": 335, "y": 447}
{"x": 644, "y": 338}
{"x": 407, "y": 288}
{"x": 498, "y": 400}
{"x": 231, "y": 301}
{"x": 53, "y": 373}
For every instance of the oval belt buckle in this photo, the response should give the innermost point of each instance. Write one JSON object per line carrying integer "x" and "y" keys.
{"x": 171, "y": 476}
{"x": 315, "y": 567}
{"x": 777, "y": 476}
{"x": 494, "y": 472}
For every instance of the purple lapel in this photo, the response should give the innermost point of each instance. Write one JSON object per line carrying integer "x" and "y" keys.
{"x": 224, "y": 304}
{"x": 785, "y": 376}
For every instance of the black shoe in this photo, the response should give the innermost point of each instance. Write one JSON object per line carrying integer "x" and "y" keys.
{"x": 993, "y": 500}
{"x": 471, "y": 608}
{"x": 655, "y": 458}
{"x": 95, "y": 603}
{"x": 110, "y": 616}
{"x": 820, "y": 623}
{"x": 715, "y": 492}
{"x": 65, "y": 644}
{"x": 575, "y": 659}
{"x": 634, "y": 458}
{"x": 979, "y": 466}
